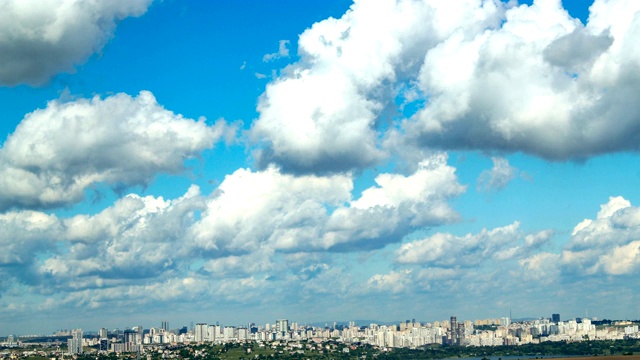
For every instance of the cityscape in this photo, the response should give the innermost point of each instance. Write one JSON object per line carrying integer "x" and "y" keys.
{"x": 407, "y": 334}
{"x": 255, "y": 166}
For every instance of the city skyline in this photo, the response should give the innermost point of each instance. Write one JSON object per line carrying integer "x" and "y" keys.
{"x": 317, "y": 160}
{"x": 275, "y": 325}
{"x": 409, "y": 333}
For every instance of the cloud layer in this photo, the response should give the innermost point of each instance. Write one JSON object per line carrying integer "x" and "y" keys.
{"x": 256, "y": 230}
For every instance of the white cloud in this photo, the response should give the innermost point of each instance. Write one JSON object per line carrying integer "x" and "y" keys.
{"x": 608, "y": 244}
{"x": 56, "y": 153}
{"x": 40, "y": 38}
{"x": 260, "y": 261}
{"x": 311, "y": 213}
{"x": 25, "y": 235}
{"x": 267, "y": 207}
{"x": 498, "y": 177}
{"x": 137, "y": 237}
{"x": 534, "y": 241}
{"x": 541, "y": 84}
{"x": 283, "y": 52}
{"x": 542, "y": 267}
{"x": 125, "y": 299}
{"x": 446, "y": 250}
{"x": 394, "y": 282}
{"x": 257, "y": 230}
{"x": 323, "y": 114}
{"x": 483, "y": 75}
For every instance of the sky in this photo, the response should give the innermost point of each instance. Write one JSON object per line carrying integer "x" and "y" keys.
{"x": 243, "y": 161}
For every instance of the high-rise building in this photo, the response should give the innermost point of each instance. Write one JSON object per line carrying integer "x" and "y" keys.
{"x": 282, "y": 325}
{"x": 130, "y": 336}
{"x": 104, "y": 345}
{"x": 453, "y": 330}
{"x": 229, "y": 333}
{"x": 75, "y": 343}
{"x": 165, "y": 325}
{"x": 211, "y": 333}
{"x": 201, "y": 332}
{"x": 505, "y": 321}
{"x": 104, "y": 333}
{"x": 555, "y": 318}
{"x": 11, "y": 340}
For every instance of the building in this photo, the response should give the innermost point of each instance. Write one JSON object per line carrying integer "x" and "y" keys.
{"x": 201, "y": 332}
{"x": 505, "y": 321}
{"x": 130, "y": 336}
{"x": 555, "y": 318}
{"x": 282, "y": 326}
{"x": 453, "y": 330}
{"x": 75, "y": 343}
{"x": 104, "y": 345}
{"x": 104, "y": 333}
{"x": 165, "y": 326}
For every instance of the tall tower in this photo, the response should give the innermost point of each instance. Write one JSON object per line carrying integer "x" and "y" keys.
{"x": 453, "y": 330}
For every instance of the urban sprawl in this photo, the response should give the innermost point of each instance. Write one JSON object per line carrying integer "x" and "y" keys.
{"x": 408, "y": 334}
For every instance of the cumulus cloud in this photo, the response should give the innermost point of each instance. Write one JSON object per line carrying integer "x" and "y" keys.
{"x": 541, "y": 83}
{"x": 498, "y": 177}
{"x": 137, "y": 244}
{"x": 312, "y": 213}
{"x": 443, "y": 284}
{"x": 25, "y": 235}
{"x": 446, "y": 250}
{"x": 576, "y": 48}
{"x": 56, "y": 153}
{"x": 324, "y": 112}
{"x": 543, "y": 267}
{"x": 445, "y": 265}
{"x": 39, "y": 39}
{"x": 137, "y": 237}
{"x": 394, "y": 282}
{"x": 608, "y": 244}
{"x": 268, "y": 207}
{"x": 260, "y": 261}
{"x": 259, "y": 229}
{"x": 482, "y": 74}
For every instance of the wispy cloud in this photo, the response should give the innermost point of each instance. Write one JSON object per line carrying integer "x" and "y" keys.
{"x": 498, "y": 177}
{"x": 283, "y": 52}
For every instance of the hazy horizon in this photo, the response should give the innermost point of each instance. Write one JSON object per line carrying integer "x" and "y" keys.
{"x": 392, "y": 159}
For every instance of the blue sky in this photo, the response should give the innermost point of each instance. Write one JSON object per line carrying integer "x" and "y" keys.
{"x": 320, "y": 160}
